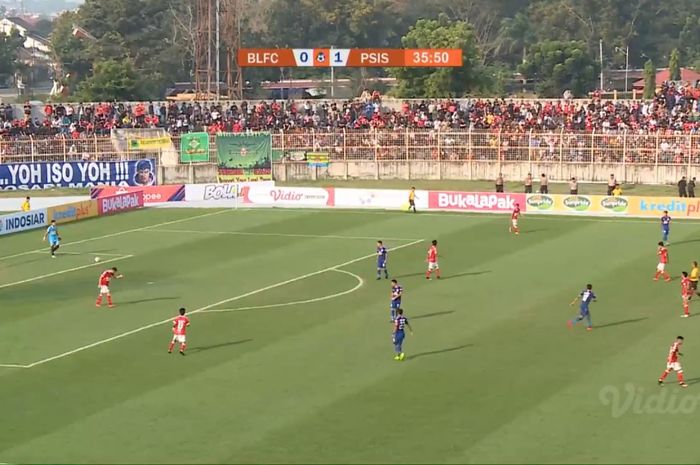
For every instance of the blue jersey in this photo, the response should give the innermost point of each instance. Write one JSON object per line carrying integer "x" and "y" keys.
{"x": 381, "y": 257}
{"x": 52, "y": 233}
{"x": 665, "y": 222}
{"x": 399, "y": 324}
{"x": 587, "y": 296}
{"x": 396, "y": 292}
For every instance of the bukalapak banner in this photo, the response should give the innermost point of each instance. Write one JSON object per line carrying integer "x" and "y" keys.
{"x": 45, "y": 175}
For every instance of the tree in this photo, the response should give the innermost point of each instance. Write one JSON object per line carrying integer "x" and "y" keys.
{"x": 514, "y": 37}
{"x": 674, "y": 65}
{"x": 649, "y": 79}
{"x": 441, "y": 82}
{"x": 111, "y": 80}
{"x": 10, "y": 45}
{"x": 557, "y": 66}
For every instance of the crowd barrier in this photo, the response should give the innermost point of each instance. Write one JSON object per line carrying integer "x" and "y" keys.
{"x": 108, "y": 200}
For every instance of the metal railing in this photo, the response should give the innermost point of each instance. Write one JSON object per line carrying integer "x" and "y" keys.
{"x": 561, "y": 147}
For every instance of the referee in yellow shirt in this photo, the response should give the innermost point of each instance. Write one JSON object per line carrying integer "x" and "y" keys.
{"x": 412, "y": 200}
{"x": 25, "y": 205}
{"x": 694, "y": 276}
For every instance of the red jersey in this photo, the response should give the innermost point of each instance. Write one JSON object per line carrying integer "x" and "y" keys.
{"x": 432, "y": 254}
{"x": 685, "y": 287}
{"x": 663, "y": 254}
{"x": 673, "y": 352}
{"x": 105, "y": 277}
{"x": 180, "y": 325}
{"x": 516, "y": 214}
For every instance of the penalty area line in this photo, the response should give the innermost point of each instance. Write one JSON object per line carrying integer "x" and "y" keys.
{"x": 69, "y": 270}
{"x": 360, "y": 283}
{"x": 214, "y": 305}
{"x": 265, "y": 234}
{"x": 115, "y": 234}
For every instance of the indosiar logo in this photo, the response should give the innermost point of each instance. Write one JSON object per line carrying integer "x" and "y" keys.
{"x": 577, "y": 203}
{"x": 615, "y": 204}
{"x": 540, "y": 202}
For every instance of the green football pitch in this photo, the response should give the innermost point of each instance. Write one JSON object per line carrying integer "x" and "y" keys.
{"x": 289, "y": 351}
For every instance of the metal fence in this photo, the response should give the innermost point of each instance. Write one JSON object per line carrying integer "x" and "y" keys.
{"x": 560, "y": 147}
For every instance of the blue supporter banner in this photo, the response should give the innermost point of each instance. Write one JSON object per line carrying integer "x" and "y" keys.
{"x": 15, "y": 176}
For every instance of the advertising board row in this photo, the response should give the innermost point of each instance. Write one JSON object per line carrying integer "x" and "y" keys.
{"x": 69, "y": 212}
{"x": 45, "y": 175}
{"x": 601, "y": 205}
{"x": 267, "y": 194}
{"x": 181, "y": 192}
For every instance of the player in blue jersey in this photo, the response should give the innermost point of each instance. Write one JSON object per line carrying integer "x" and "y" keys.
{"x": 665, "y": 227}
{"x": 396, "y": 294}
{"x": 399, "y": 333}
{"x": 54, "y": 239}
{"x": 381, "y": 261}
{"x": 587, "y": 296}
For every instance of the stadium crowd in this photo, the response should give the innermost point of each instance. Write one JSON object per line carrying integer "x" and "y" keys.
{"x": 673, "y": 110}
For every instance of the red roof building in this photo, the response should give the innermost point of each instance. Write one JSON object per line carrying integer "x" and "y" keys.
{"x": 687, "y": 75}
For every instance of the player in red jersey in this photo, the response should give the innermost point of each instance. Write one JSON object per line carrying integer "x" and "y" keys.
{"x": 103, "y": 286}
{"x": 433, "y": 261}
{"x": 514, "y": 220}
{"x": 672, "y": 363}
{"x": 686, "y": 294}
{"x": 662, "y": 252}
{"x": 180, "y": 324}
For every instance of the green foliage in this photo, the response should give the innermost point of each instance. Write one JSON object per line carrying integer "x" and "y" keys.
{"x": 649, "y": 79}
{"x": 144, "y": 32}
{"x": 558, "y": 66}
{"x": 111, "y": 80}
{"x": 10, "y": 45}
{"x": 157, "y": 35}
{"x": 674, "y": 65}
{"x": 441, "y": 82}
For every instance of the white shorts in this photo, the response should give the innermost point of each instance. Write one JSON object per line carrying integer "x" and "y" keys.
{"x": 179, "y": 338}
{"x": 515, "y": 223}
{"x": 661, "y": 267}
{"x": 675, "y": 366}
{"x": 433, "y": 266}
{"x": 104, "y": 289}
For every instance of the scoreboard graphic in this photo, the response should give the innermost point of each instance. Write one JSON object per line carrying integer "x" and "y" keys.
{"x": 350, "y": 57}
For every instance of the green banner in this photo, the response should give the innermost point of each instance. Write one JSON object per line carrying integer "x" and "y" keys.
{"x": 194, "y": 147}
{"x": 244, "y": 157}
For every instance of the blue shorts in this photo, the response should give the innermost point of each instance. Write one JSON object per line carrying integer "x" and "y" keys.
{"x": 53, "y": 241}
{"x": 584, "y": 309}
{"x": 381, "y": 264}
{"x": 399, "y": 337}
{"x": 395, "y": 304}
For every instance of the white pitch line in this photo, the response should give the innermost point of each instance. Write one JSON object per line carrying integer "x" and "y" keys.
{"x": 12, "y": 365}
{"x": 311, "y": 236}
{"x": 207, "y": 307}
{"x": 119, "y": 233}
{"x": 360, "y": 283}
{"x": 82, "y": 253}
{"x": 69, "y": 270}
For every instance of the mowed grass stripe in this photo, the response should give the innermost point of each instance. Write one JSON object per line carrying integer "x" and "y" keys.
{"x": 317, "y": 383}
{"x": 218, "y": 327}
{"x": 488, "y": 341}
{"x": 450, "y": 342}
{"x": 649, "y": 322}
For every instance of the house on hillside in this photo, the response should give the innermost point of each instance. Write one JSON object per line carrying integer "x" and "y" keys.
{"x": 37, "y": 53}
